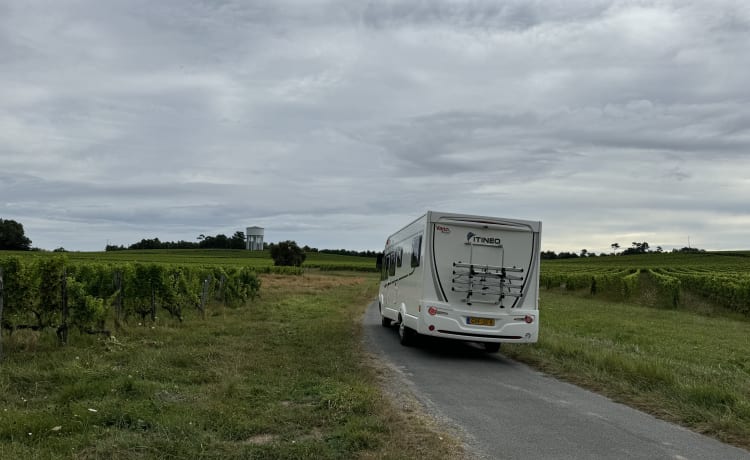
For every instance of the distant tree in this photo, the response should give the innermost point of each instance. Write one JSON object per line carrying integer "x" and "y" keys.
{"x": 584, "y": 252}
{"x": 615, "y": 247}
{"x": 182, "y": 244}
{"x": 222, "y": 241}
{"x": 637, "y": 248}
{"x": 346, "y": 252}
{"x": 688, "y": 250}
{"x": 287, "y": 253}
{"x": 147, "y": 244}
{"x": 219, "y": 241}
{"x": 237, "y": 241}
{"x": 12, "y": 236}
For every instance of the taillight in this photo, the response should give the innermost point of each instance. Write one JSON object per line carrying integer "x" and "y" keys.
{"x": 529, "y": 319}
{"x": 432, "y": 311}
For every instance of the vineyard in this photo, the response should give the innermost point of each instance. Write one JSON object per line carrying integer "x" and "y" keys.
{"x": 259, "y": 261}
{"x": 92, "y": 292}
{"x": 662, "y": 280}
{"x": 53, "y": 293}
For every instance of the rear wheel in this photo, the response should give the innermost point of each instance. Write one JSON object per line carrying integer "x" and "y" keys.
{"x": 385, "y": 322}
{"x": 407, "y": 336}
{"x": 491, "y": 347}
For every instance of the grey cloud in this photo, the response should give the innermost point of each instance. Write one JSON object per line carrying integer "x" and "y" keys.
{"x": 512, "y": 15}
{"x": 455, "y": 143}
{"x": 169, "y": 119}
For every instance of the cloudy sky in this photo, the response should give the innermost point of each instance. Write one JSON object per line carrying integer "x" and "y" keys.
{"x": 334, "y": 123}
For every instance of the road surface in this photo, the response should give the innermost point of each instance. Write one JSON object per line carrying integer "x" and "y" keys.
{"x": 507, "y": 410}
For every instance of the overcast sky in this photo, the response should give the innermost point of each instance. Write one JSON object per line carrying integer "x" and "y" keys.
{"x": 334, "y": 123}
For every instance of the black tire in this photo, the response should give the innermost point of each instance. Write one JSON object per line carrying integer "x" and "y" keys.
{"x": 406, "y": 335}
{"x": 491, "y": 347}
{"x": 385, "y": 322}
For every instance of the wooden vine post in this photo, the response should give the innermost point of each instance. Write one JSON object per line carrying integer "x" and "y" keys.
{"x": 204, "y": 296}
{"x": 153, "y": 302}
{"x": 1, "y": 313}
{"x": 118, "y": 299}
{"x": 64, "y": 326}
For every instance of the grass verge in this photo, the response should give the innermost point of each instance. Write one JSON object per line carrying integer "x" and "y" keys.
{"x": 283, "y": 377}
{"x": 688, "y": 368}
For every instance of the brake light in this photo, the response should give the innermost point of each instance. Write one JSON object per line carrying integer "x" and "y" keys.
{"x": 529, "y": 319}
{"x": 432, "y": 311}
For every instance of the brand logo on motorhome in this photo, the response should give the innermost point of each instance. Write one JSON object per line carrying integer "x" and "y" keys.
{"x": 443, "y": 229}
{"x": 473, "y": 238}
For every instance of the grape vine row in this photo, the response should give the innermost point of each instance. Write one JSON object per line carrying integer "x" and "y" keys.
{"x": 722, "y": 279}
{"x": 53, "y": 293}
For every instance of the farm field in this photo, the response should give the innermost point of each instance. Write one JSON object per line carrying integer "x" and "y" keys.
{"x": 662, "y": 280}
{"x": 281, "y": 377}
{"x": 667, "y": 333}
{"x": 95, "y": 291}
{"x": 227, "y": 257}
{"x": 723, "y": 259}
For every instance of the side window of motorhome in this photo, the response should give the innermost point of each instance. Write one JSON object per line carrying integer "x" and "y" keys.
{"x": 416, "y": 251}
{"x": 399, "y": 256}
{"x": 384, "y": 267}
{"x": 392, "y": 264}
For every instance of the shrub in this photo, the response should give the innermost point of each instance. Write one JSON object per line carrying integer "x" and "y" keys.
{"x": 287, "y": 253}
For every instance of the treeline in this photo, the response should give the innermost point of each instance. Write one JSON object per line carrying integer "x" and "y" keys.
{"x": 220, "y": 241}
{"x": 342, "y": 252}
{"x": 636, "y": 249}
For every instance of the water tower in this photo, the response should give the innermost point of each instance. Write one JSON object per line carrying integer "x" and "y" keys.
{"x": 254, "y": 237}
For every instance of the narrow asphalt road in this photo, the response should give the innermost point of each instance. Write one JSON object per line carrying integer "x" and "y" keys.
{"x": 510, "y": 411}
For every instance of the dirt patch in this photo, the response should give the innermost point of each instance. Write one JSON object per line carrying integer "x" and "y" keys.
{"x": 308, "y": 281}
{"x": 261, "y": 439}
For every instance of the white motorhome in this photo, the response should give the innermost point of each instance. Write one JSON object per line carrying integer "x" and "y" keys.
{"x": 463, "y": 277}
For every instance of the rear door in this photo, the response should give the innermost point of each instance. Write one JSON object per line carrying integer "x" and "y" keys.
{"x": 484, "y": 265}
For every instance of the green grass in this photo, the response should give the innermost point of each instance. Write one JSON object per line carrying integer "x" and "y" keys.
{"x": 682, "y": 366}
{"x": 283, "y": 377}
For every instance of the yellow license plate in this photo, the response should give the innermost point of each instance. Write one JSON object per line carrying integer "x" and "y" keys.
{"x": 474, "y": 321}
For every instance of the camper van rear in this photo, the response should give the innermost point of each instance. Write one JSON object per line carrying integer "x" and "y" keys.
{"x": 463, "y": 277}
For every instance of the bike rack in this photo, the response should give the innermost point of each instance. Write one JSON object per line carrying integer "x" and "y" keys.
{"x": 486, "y": 280}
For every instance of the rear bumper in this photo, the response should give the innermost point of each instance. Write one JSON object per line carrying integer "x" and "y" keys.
{"x": 450, "y": 322}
